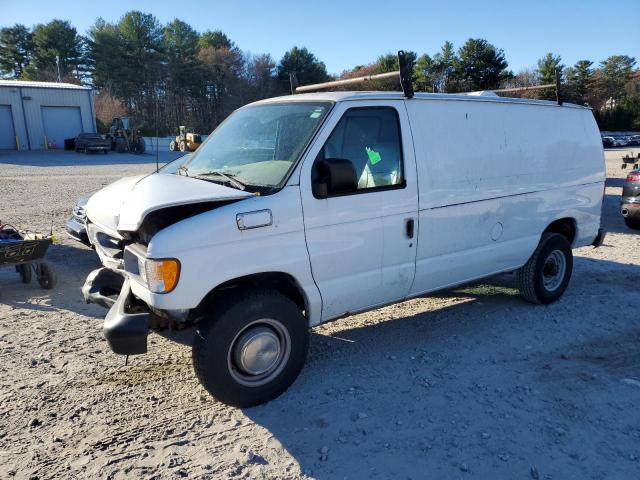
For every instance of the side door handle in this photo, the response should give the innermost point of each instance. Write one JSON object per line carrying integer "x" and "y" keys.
{"x": 410, "y": 227}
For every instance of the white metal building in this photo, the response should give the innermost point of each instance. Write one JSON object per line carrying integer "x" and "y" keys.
{"x": 40, "y": 115}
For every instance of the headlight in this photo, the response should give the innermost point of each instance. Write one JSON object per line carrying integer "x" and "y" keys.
{"x": 161, "y": 276}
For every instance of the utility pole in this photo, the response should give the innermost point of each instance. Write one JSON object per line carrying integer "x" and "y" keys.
{"x": 157, "y": 114}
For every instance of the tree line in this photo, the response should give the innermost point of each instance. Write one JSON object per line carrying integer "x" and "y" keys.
{"x": 169, "y": 75}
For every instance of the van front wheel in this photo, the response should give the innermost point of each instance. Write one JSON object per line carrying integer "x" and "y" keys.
{"x": 251, "y": 349}
{"x": 545, "y": 277}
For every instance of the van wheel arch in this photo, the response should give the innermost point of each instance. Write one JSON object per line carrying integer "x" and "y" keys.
{"x": 565, "y": 227}
{"x": 281, "y": 282}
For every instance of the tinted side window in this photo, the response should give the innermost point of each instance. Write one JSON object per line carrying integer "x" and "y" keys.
{"x": 370, "y": 139}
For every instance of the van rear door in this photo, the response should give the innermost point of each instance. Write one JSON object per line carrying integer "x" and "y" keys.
{"x": 362, "y": 242}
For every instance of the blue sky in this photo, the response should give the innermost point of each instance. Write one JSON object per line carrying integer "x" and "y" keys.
{"x": 348, "y": 33}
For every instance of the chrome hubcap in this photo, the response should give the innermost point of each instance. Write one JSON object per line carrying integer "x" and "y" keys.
{"x": 259, "y": 352}
{"x": 554, "y": 270}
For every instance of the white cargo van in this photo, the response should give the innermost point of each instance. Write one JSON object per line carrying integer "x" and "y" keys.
{"x": 302, "y": 209}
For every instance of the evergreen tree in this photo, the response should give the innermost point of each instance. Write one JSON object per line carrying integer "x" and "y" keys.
{"x": 57, "y": 47}
{"x": 579, "y": 78}
{"x": 547, "y": 67}
{"x": 16, "y": 49}
{"x": 614, "y": 75}
{"x": 479, "y": 66}
{"x": 304, "y": 65}
{"x": 180, "y": 43}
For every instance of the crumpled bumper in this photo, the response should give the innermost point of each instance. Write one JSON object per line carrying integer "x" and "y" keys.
{"x": 77, "y": 230}
{"x": 102, "y": 287}
{"x": 126, "y": 325}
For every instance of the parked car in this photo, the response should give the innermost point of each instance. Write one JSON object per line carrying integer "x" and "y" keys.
{"x": 634, "y": 140}
{"x": 621, "y": 141}
{"x": 76, "y": 225}
{"x": 364, "y": 199}
{"x": 92, "y": 142}
{"x": 630, "y": 200}
{"x": 608, "y": 142}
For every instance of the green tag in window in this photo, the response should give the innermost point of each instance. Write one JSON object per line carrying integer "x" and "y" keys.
{"x": 374, "y": 157}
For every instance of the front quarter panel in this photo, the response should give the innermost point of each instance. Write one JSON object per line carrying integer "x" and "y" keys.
{"x": 212, "y": 250}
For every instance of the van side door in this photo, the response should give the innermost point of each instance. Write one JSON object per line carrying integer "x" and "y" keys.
{"x": 362, "y": 239}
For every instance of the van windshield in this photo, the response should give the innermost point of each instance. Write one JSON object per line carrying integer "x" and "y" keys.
{"x": 258, "y": 145}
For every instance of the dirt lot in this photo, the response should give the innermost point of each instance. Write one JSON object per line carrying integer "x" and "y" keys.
{"x": 471, "y": 383}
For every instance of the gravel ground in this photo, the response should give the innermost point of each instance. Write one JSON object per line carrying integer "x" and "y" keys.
{"x": 470, "y": 383}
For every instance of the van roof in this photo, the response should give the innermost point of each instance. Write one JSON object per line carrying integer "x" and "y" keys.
{"x": 376, "y": 95}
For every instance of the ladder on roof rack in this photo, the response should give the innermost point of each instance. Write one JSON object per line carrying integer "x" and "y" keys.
{"x": 403, "y": 75}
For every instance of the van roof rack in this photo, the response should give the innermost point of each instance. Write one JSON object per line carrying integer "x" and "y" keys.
{"x": 555, "y": 85}
{"x": 403, "y": 75}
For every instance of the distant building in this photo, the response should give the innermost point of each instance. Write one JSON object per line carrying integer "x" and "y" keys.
{"x": 41, "y": 115}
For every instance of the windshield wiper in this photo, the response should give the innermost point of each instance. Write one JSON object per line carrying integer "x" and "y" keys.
{"x": 183, "y": 168}
{"x": 229, "y": 178}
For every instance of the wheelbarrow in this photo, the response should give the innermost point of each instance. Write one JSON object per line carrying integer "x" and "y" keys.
{"x": 26, "y": 253}
{"x": 629, "y": 159}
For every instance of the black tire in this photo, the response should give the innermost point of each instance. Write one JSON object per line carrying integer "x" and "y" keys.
{"x": 542, "y": 280}
{"x": 121, "y": 145}
{"x": 47, "y": 277}
{"x": 183, "y": 146}
{"x": 172, "y": 146}
{"x": 233, "y": 319}
{"x": 25, "y": 272}
{"x": 633, "y": 223}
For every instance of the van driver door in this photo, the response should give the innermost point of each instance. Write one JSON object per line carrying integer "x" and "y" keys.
{"x": 362, "y": 239}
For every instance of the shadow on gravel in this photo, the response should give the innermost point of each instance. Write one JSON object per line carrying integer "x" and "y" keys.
{"x": 614, "y": 182}
{"x": 71, "y": 265}
{"x": 71, "y": 159}
{"x": 389, "y": 400}
{"x": 612, "y": 220}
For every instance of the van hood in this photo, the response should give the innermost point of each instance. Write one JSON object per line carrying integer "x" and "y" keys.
{"x": 123, "y": 205}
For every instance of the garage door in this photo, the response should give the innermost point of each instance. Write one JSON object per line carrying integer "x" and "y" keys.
{"x": 7, "y": 132}
{"x": 60, "y": 123}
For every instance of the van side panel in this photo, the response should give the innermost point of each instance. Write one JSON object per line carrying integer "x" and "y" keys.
{"x": 492, "y": 177}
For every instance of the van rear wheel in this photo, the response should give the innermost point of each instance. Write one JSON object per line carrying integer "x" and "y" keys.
{"x": 545, "y": 277}
{"x": 251, "y": 349}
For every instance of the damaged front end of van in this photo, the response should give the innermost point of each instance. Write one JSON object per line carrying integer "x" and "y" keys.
{"x": 122, "y": 221}
{"x": 171, "y": 241}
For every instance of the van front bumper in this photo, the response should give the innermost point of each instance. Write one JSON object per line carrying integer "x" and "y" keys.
{"x": 126, "y": 325}
{"x": 126, "y": 333}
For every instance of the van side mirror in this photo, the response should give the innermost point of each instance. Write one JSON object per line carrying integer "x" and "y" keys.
{"x": 333, "y": 176}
